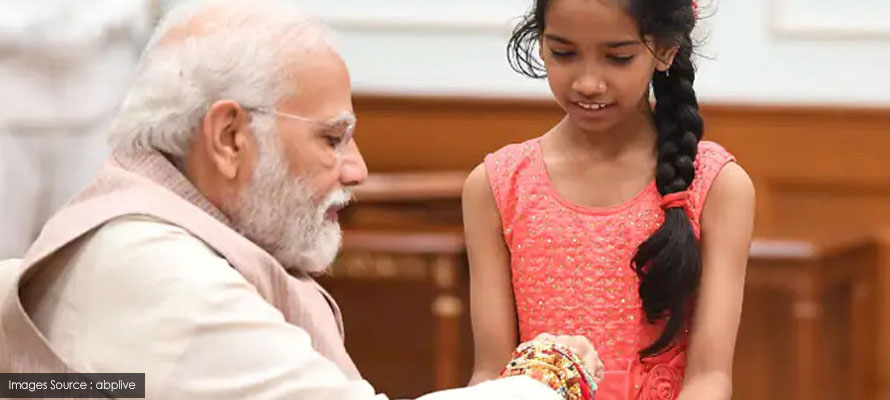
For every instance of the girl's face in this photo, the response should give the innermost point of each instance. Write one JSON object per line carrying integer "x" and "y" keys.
{"x": 598, "y": 66}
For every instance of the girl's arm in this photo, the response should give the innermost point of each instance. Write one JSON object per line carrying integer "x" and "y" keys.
{"x": 726, "y": 224}
{"x": 493, "y": 309}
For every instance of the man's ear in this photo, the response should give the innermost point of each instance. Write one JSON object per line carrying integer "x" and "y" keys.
{"x": 226, "y": 137}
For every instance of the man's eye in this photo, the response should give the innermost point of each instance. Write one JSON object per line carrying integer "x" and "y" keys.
{"x": 334, "y": 141}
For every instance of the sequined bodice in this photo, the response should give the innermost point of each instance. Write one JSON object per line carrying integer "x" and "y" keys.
{"x": 571, "y": 264}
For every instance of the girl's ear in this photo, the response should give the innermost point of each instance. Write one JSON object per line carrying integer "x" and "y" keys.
{"x": 665, "y": 57}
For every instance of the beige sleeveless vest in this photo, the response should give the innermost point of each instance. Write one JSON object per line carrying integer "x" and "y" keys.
{"x": 148, "y": 184}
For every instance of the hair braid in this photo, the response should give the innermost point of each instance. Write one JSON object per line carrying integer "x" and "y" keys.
{"x": 668, "y": 262}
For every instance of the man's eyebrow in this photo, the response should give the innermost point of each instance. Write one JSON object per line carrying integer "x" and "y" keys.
{"x": 345, "y": 118}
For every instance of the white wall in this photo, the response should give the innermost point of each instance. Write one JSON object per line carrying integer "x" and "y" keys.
{"x": 457, "y": 47}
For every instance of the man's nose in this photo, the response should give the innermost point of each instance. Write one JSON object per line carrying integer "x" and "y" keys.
{"x": 353, "y": 170}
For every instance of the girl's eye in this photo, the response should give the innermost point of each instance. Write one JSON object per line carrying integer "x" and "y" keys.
{"x": 562, "y": 54}
{"x": 621, "y": 60}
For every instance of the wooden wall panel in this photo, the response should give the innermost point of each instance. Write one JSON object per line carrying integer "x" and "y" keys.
{"x": 839, "y": 155}
{"x": 399, "y": 134}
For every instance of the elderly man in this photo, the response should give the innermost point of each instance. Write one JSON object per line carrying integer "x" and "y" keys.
{"x": 189, "y": 257}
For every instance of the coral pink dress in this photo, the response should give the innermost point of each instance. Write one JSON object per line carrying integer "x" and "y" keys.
{"x": 571, "y": 268}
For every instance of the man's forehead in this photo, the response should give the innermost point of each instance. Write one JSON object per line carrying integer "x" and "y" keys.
{"x": 318, "y": 86}
{"x": 328, "y": 107}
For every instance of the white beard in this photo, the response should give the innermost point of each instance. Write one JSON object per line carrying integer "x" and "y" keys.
{"x": 276, "y": 212}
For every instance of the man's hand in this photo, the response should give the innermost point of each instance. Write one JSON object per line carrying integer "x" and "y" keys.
{"x": 583, "y": 348}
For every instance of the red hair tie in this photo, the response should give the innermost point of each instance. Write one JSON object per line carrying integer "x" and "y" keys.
{"x": 674, "y": 200}
{"x": 695, "y": 7}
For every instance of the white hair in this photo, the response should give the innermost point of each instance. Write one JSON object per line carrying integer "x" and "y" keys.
{"x": 242, "y": 50}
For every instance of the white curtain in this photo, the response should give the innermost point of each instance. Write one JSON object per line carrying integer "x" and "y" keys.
{"x": 64, "y": 68}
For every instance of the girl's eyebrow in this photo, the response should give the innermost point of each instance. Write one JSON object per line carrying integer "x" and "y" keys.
{"x": 611, "y": 45}
{"x": 623, "y": 43}
{"x": 556, "y": 38}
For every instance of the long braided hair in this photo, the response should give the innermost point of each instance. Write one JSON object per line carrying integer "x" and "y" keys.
{"x": 668, "y": 263}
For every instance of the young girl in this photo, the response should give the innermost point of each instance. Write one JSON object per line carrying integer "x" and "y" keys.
{"x": 618, "y": 224}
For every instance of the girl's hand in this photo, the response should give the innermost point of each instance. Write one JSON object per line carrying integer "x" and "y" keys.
{"x": 583, "y": 348}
